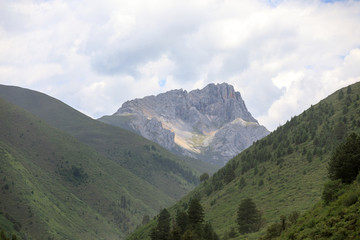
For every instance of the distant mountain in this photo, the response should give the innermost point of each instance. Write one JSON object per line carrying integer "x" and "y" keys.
{"x": 283, "y": 172}
{"x": 212, "y": 124}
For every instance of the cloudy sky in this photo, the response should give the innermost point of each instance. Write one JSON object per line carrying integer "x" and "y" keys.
{"x": 282, "y": 55}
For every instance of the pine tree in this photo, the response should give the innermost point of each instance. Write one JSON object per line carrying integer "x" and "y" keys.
{"x": 182, "y": 220}
{"x": 248, "y": 217}
{"x": 162, "y": 230}
{"x": 164, "y": 225}
{"x": 345, "y": 161}
{"x": 209, "y": 233}
{"x": 195, "y": 212}
{"x": 176, "y": 233}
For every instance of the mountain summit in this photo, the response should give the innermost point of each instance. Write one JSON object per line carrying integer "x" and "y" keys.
{"x": 212, "y": 124}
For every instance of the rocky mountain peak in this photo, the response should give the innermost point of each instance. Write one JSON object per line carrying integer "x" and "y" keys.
{"x": 223, "y": 91}
{"x": 221, "y": 102}
{"x": 193, "y": 123}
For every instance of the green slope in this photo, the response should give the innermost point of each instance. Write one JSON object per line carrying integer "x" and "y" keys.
{"x": 173, "y": 175}
{"x": 55, "y": 187}
{"x": 338, "y": 220}
{"x": 282, "y": 172}
{"x": 337, "y": 216}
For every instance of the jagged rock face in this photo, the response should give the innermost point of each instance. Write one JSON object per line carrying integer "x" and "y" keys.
{"x": 212, "y": 124}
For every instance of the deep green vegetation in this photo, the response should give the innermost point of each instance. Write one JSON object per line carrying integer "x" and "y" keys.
{"x": 162, "y": 229}
{"x": 276, "y": 229}
{"x": 339, "y": 219}
{"x": 284, "y": 172}
{"x": 4, "y": 237}
{"x": 345, "y": 162}
{"x": 338, "y": 215}
{"x": 248, "y": 217}
{"x": 188, "y": 225}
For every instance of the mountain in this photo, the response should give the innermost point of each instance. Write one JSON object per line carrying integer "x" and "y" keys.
{"x": 283, "y": 172}
{"x": 55, "y": 187}
{"x": 142, "y": 157}
{"x": 149, "y": 176}
{"x": 212, "y": 124}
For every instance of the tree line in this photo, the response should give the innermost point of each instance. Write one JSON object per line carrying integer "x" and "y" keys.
{"x": 190, "y": 224}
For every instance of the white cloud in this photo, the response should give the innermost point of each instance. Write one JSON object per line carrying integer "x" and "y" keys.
{"x": 285, "y": 79}
{"x": 306, "y": 88}
{"x": 282, "y": 55}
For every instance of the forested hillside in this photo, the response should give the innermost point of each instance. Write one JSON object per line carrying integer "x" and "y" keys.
{"x": 282, "y": 173}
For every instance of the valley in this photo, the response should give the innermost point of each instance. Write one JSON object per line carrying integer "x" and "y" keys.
{"x": 67, "y": 176}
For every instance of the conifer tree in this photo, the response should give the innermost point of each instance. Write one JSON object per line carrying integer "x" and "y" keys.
{"x": 162, "y": 230}
{"x": 175, "y": 233}
{"x": 248, "y": 217}
{"x": 345, "y": 161}
{"x": 195, "y": 212}
{"x": 182, "y": 221}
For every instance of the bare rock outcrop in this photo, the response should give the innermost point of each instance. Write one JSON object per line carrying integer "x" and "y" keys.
{"x": 212, "y": 124}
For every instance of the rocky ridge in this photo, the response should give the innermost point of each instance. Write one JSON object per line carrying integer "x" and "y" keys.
{"x": 212, "y": 124}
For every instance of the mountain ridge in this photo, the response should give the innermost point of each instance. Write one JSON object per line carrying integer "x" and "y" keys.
{"x": 196, "y": 123}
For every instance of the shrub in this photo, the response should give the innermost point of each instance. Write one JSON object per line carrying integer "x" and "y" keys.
{"x": 204, "y": 177}
{"x": 331, "y": 191}
{"x": 351, "y": 199}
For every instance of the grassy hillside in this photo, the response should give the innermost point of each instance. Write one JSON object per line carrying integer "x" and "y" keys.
{"x": 55, "y": 187}
{"x": 283, "y": 172}
{"x": 173, "y": 175}
{"x": 338, "y": 220}
{"x": 337, "y": 216}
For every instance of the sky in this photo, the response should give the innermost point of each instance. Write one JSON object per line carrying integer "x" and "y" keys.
{"x": 282, "y": 55}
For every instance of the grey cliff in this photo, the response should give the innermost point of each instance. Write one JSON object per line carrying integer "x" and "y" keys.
{"x": 212, "y": 124}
